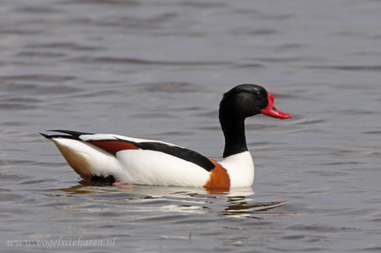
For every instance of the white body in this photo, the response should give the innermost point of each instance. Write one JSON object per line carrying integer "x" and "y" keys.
{"x": 148, "y": 167}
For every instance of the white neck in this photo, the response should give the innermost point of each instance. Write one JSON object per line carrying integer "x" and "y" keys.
{"x": 240, "y": 168}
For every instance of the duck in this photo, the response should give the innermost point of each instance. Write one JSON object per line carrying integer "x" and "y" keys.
{"x": 133, "y": 161}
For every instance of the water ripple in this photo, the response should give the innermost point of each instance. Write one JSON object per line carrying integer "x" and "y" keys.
{"x": 136, "y": 61}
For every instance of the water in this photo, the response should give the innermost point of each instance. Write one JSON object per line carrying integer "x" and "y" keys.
{"x": 157, "y": 70}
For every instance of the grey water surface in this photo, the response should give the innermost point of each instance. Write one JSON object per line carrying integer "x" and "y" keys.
{"x": 157, "y": 69}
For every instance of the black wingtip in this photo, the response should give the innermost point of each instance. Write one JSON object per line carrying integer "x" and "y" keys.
{"x": 46, "y": 136}
{"x": 66, "y": 134}
{"x": 69, "y": 132}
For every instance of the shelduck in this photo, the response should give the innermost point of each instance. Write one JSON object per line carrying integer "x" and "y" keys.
{"x": 126, "y": 160}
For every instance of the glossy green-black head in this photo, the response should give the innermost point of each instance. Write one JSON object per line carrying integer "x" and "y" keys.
{"x": 243, "y": 101}
{"x": 247, "y": 100}
{"x": 237, "y": 104}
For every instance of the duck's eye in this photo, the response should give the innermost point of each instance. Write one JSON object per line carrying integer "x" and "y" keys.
{"x": 258, "y": 95}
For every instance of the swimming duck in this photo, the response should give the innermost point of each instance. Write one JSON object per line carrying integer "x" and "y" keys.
{"x": 127, "y": 160}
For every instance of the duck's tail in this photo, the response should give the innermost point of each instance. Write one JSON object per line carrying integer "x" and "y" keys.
{"x": 88, "y": 161}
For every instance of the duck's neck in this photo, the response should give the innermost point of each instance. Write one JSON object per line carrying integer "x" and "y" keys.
{"x": 234, "y": 132}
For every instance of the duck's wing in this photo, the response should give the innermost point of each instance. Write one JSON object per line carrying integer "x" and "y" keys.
{"x": 113, "y": 144}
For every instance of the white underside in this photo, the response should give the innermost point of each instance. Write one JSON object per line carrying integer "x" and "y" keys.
{"x": 156, "y": 168}
{"x": 147, "y": 167}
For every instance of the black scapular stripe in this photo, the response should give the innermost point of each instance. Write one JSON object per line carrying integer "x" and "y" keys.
{"x": 183, "y": 153}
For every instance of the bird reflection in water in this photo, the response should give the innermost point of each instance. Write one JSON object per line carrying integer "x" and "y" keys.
{"x": 236, "y": 202}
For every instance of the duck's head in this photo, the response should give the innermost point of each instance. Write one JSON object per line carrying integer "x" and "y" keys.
{"x": 247, "y": 100}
